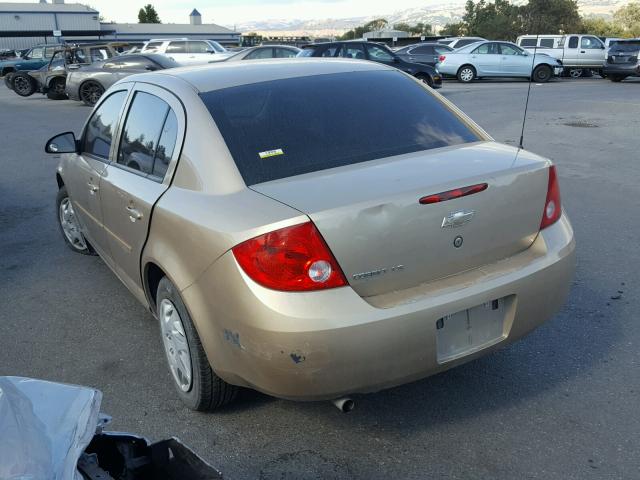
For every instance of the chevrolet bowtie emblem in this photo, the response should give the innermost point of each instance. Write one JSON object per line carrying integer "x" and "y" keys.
{"x": 457, "y": 219}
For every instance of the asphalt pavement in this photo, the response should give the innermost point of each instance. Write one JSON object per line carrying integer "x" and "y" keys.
{"x": 563, "y": 403}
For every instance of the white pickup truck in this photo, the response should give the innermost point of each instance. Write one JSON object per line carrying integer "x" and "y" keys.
{"x": 187, "y": 51}
{"x": 577, "y": 53}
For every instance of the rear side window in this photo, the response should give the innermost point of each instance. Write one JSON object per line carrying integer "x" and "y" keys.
{"x": 152, "y": 47}
{"x": 285, "y": 53}
{"x": 528, "y": 42}
{"x": 177, "y": 47}
{"x": 289, "y": 127}
{"x": 260, "y": 53}
{"x": 102, "y": 125}
{"x": 573, "y": 42}
{"x": 141, "y": 137}
{"x": 546, "y": 42}
{"x": 424, "y": 50}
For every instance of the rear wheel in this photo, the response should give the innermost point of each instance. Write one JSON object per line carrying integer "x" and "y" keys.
{"x": 542, "y": 74}
{"x": 425, "y": 79}
{"x": 466, "y": 74}
{"x": 23, "y": 84}
{"x": 90, "y": 92}
{"x": 196, "y": 383}
{"x": 8, "y": 80}
{"x": 56, "y": 89}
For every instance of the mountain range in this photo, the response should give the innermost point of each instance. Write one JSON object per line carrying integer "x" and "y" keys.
{"x": 437, "y": 15}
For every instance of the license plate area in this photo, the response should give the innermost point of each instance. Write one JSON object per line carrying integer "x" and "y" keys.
{"x": 468, "y": 331}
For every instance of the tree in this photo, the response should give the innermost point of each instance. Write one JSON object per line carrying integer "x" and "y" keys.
{"x": 148, "y": 14}
{"x": 551, "y": 17}
{"x": 497, "y": 20}
{"x": 600, "y": 27}
{"x": 402, "y": 26}
{"x": 453, "y": 30}
{"x": 421, "y": 28}
{"x": 377, "y": 24}
{"x": 628, "y": 18}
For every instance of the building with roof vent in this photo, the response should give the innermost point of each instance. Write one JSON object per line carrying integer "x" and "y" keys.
{"x": 195, "y": 18}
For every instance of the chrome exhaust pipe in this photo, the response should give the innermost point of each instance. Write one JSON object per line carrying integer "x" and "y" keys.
{"x": 344, "y": 404}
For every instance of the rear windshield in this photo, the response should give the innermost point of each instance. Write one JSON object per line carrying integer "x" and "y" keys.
{"x": 626, "y": 47}
{"x": 288, "y": 127}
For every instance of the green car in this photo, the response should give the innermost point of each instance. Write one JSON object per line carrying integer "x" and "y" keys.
{"x": 35, "y": 58}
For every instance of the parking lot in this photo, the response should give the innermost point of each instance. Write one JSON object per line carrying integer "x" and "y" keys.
{"x": 561, "y": 403}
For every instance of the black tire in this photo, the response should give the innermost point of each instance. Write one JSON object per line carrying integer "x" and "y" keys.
{"x": 56, "y": 89}
{"x": 84, "y": 249}
{"x": 207, "y": 391}
{"x": 617, "y": 78}
{"x": 8, "y": 80}
{"x": 90, "y": 92}
{"x": 466, "y": 74}
{"x": 574, "y": 72}
{"x": 426, "y": 79}
{"x": 542, "y": 74}
{"x": 24, "y": 84}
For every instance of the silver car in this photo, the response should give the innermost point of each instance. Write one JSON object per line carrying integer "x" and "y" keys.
{"x": 298, "y": 234}
{"x": 497, "y": 59}
{"x": 263, "y": 52}
{"x": 89, "y": 83}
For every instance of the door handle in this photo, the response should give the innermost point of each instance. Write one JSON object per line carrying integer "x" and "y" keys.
{"x": 134, "y": 214}
{"x": 92, "y": 188}
{"x": 582, "y": 51}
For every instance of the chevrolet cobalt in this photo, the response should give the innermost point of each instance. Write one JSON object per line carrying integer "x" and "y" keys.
{"x": 298, "y": 234}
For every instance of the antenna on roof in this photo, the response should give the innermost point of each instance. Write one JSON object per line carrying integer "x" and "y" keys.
{"x": 526, "y": 105}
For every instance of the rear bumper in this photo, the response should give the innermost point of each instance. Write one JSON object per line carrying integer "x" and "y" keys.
{"x": 326, "y": 344}
{"x": 619, "y": 69}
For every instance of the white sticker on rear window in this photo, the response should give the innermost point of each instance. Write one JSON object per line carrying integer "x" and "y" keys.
{"x": 271, "y": 153}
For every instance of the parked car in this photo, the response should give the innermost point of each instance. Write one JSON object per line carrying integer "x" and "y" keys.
{"x": 579, "y": 54}
{"x": 33, "y": 59}
{"x": 185, "y": 51}
{"x": 51, "y": 79}
{"x": 497, "y": 59}
{"x": 311, "y": 228}
{"x": 89, "y": 83}
{"x": 264, "y": 52}
{"x": 622, "y": 61}
{"x": 374, "y": 52}
{"x": 459, "y": 42}
{"x": 426, "y": 53}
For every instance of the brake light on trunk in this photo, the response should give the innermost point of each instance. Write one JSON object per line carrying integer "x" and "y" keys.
{"x": 290, "y": 259}
{"x": 451, "y": 194}
{"x": 441, "y": 58}
{"x": 552, "y": 207}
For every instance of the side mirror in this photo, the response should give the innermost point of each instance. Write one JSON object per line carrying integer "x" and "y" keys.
{"x": 62, "y": 143}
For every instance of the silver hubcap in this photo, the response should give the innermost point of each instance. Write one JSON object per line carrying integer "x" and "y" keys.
{"x": 70, "y": 225}
{"x": 466, "y": 75}
{"x": 575, "y": 73}
{"x": 175, "y": 344}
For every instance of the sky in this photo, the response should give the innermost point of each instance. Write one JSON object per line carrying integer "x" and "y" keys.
{"x": 230, "y": 12}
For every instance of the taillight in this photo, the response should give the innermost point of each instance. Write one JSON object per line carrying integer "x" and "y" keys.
{"x": 552, "y": 207}
{"x": 451, "y": 194}
{"x": 441, "y": 58}
{"x": 291, "y": 259}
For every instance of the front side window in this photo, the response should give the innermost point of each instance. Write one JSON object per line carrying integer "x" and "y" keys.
{"x": 379, "y": 54}
{"x": 36, "y": 53}
{"x": 199, "y": 47}
{"x": 177, "y": 47}
{"x": 292, "y": 126}
{"x": 507, "y": 49}
{"x": 330, "y": 51}
{"x": 354, "y": 50}
{"x": 102, "y": 125}
{"x": 259, "y": 53}
{"x": 285, "y": 53}
{"x": 143, "y": 127}
{"x": 590, "y": 43}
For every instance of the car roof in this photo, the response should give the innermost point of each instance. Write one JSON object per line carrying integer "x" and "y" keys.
{"x": 205, "y": 78}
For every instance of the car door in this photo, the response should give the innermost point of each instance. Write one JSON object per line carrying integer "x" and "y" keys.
{"x": 83, "y": 177}
{"x": 514, "y": 61}
{"x": 486, "y": 59}
{"x": 143, "y": 163}
{"x": 381, "y": 55}
{"x": 592, "y": 51}
{"x": 570, "y": 53}
{"x": 352, "y": 50}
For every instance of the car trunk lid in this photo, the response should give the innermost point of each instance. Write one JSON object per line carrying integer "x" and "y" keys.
{"x": 385, "y": 240}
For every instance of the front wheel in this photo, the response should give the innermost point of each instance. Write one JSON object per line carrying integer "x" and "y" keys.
{"x": 466, "y": 74}
{"x": 69, "y": 225}
{"x": 196, "y": 383}
{"x": 425, "y": 79}
{"x": 90, "y": 92}
{"x": 8, "y": 80}
{"x": 574, "y": 72}
{"x": 542, "y": 74}
{"x": 56, "y": 89}
{"x": 23, "y": 84}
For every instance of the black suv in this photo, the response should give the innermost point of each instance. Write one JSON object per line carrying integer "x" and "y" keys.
{"x": 622, "y": 60}
{"x": 376, "y": 53}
